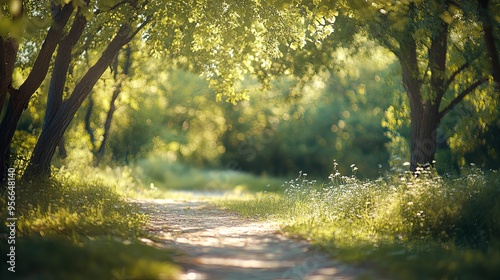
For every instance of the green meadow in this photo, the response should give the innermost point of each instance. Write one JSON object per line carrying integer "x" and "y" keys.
{"x": 402, "y": 225}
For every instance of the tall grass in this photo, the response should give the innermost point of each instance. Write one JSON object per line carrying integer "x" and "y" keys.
{"x": 415, "y": 226}
{"x": 72, "y": 228}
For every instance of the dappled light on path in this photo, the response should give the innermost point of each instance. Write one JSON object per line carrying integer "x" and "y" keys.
{"x": 218, "y": 244}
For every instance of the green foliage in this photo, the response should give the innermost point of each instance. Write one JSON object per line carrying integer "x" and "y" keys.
{"x": 172, "y": 117}
{"x": 415, "y": 226}
{"x": 228, "y": 40}
{"x": 397, "y": 123}
{"x": 168, "y": 119}
{"x": 11, "y": 22}
{"x": 22, "y": 146}
{"x": 478, "y": 119}
{"x": 336, "y": 114}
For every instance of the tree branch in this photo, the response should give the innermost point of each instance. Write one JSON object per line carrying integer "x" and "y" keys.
{"x": 461, "y": 96}
{"x": 115, "y": 6}
{"x": 141, "y": 26}
{"x": 42, "y": 62}
{"x": 454, "y": 74}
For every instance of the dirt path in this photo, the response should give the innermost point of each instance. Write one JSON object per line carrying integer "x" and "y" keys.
{"x": 220, "y": 245}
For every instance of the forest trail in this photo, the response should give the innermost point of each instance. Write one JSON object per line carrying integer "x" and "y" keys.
{"x": 221, "y": 245}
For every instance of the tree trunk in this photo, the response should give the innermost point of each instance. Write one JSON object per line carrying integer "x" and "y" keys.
{"x": 425, "y": 116}
{"x": 7, "y": 128}
{"x": 99, "y": 154}
{"x": 119, "y": 79}
{"x": 8, "y": 55}
{"x": 88, "y": 123}
{"x": 424, "y": 124}
{"x": 19, "y": 99}
{"x": 39, "y": 164}
{"x": 489, "y": 39}
{"x": 58, "y": 79}
{"x": 63, "y": 153}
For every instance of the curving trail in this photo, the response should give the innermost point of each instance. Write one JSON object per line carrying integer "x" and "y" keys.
{"x": 221, "y": 245}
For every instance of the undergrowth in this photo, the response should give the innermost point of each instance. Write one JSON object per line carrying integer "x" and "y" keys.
{"x": 73, "y": 228}
{"x": 411, "y": 226}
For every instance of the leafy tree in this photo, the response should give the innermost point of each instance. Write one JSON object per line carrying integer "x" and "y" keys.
{"x": 58, "y": 114}
{"x": 19, "y": 97}
{"x": 441, "y": 56}
{"x": 441, "y": 51}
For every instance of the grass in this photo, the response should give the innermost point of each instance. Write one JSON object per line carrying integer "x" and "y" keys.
{"x": 410, "y": 227}
{"x": 71, "y": 229}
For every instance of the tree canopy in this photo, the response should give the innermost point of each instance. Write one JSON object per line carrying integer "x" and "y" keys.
{"x": 446, "y": 50}
{"x": 222, "y": 40}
